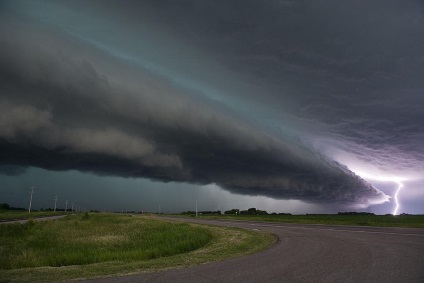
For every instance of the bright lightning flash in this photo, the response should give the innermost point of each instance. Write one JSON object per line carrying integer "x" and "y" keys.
{"x": 378, "y": 177}
{"x": 400, "y": 186}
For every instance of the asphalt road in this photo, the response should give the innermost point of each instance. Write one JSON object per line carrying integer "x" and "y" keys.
{"x": 44, "y": 218}
{"x": 311, "y": 253}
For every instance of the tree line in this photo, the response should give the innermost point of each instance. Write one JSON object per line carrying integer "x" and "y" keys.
{"x": 235, "y": 211}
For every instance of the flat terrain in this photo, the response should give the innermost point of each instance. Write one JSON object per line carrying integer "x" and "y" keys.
{"x": 412, "y": 221}
{"x": 311, "y": 253}
{"x": 89, "y": 245}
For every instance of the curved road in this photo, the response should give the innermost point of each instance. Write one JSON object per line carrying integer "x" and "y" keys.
{"x": 22, "y": 221}
{"x": 310, "y": 253}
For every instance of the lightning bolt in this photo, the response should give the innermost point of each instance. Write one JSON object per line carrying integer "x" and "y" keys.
{"x": 400, "y": 186}
{"x": 396, "y": 179}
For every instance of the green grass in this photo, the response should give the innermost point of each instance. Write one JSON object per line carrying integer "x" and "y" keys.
{"x": 93, "y": 239}
{"x": 19, "y": 214}
{"x": 412, "y": 221}
{"x": 105, "y": 244}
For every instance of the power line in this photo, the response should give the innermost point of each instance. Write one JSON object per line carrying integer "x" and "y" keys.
{"x": 30, "y": 199}
{"x": 55, "y": 202}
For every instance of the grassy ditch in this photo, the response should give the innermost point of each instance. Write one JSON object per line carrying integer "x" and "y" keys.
{"x": 92, "y": 245}
{"x": 412, "y": 221}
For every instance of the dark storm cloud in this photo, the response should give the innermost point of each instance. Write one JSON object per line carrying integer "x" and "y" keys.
{"x": 352, "y": 69}
{"x": 348, "y": 72}
{"x": 65, "y": 105}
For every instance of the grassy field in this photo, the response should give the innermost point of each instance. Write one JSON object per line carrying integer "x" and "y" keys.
{"x": 413, "y": 221}
{"x": 19, "y": 214}
{"x": 90, "y": 245}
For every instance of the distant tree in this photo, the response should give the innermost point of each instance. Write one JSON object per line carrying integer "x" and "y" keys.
{"x": 261, "y": 212}
{"x": 355, "y": 213}
{"x": 232, "y": 211}
{"x": 210, "y": 212}
{"x": 188, "y": 212}
{"x": 4, "y": 206}
{"x": 202, "y": 212}
{"x": 253, "y": 211}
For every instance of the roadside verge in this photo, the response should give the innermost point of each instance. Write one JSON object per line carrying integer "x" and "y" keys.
{"x": 226, "y": 243}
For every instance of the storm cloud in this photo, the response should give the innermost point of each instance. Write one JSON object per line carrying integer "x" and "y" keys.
{"x": 270, "y": 99}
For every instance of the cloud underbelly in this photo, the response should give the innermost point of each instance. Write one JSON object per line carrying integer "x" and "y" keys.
{"x": 81, "y": 109}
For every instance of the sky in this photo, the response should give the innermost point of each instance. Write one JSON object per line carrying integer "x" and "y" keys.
{"x": 284, "y": 105}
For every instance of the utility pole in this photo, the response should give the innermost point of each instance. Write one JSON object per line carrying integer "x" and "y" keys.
{"x": 30, "y": 199}
{"x": 66, "y": 205}
{"x": 55, "y": 202}
{"x": 196, "y": 208}
{"x": 72, "y": 208}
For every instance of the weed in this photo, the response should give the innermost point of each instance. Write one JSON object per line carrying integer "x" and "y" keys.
{"x": 86, "y": 216}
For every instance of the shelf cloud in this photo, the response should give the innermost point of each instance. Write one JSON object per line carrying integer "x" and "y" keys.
{"x": 258, "y": 98}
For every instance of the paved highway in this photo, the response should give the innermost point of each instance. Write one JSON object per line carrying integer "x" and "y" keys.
{"x": 22, "y": 221}
{"x": 311, "y": 253}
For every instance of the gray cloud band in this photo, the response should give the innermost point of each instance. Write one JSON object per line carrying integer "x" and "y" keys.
{"x": 68, "y": 106}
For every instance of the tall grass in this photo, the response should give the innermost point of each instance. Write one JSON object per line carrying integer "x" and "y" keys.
{"x": 95, "y": 238}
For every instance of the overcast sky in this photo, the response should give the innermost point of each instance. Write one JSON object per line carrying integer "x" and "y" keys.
{"x": 289, "y": 106}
